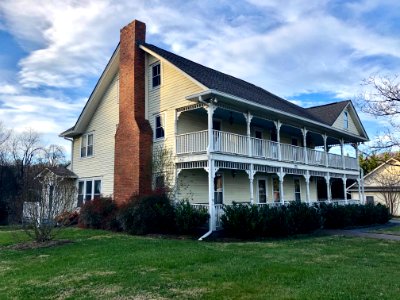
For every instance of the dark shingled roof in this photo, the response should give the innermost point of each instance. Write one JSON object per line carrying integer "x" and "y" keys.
{"x": 60, "y": 171}
{"x": 216, "y": 80}
{"x": 328, "y": 112}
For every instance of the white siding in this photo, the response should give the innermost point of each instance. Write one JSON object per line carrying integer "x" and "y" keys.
{"x": 339, "y": 123}
{"x": 103, "y": 125}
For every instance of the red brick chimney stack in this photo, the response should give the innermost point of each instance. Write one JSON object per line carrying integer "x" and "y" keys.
{"x": 133, "y": 139}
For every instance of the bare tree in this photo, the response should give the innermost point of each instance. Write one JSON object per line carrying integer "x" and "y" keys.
{"x": 52, "y": 196}
{"x": 54, "y": 155}
{"x": 388, "y": 183}
{"x": 381, "y": 99}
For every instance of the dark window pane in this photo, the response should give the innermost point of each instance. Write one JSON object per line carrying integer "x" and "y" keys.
{"x": 97, "y": 187}
{"x": 156, "y": 75}
{"x": 89, "y": 150}
{"x": 80, "y": 200}
{"x": 160, "y": 182}
{"x": 158, "y": 121}
{"x": 83, "y": 151}
{"x": 88, "y": 190}
{"x": 81, "y": 184}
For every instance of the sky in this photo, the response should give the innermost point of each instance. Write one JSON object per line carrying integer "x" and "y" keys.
{"x": 309, "y": 52}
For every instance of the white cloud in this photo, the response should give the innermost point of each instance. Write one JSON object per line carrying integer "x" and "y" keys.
{"x": 8, "y": 89}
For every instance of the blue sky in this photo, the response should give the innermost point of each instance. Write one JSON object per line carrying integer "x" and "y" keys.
{"x": 310, "y": 52}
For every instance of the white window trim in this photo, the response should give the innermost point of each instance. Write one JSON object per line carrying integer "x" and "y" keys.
{"x": 151, "y": 74}
{"x": 294, "y": 188}
{"x": 80, "y": 145}
{"x": 84, "y": 180}
{"x": 223, "y": 185}
{"x": 163, "y": 122}
{"x": 346, "y": 120}
{"x": 266, "y": 188}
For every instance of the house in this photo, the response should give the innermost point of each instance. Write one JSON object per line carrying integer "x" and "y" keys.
{"x": 382, "y": 185}
{"x": 54, "y": 194}
{"x": 229, "y": 139}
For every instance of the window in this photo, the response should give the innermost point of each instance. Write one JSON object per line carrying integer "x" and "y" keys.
{"x": 346, "y": 120}
{"x": 297, "y": 190}
{"x": 88, "y": 189}
{"x": 87, "y": 145}
{"x": 218, "y": 189}
{"x": 155, "y": 75}
{"x": 275, "y": 188}
{"x": 370, "y": 200}
{"x": 262, "y": 191}
{"x": 159, "y": 127}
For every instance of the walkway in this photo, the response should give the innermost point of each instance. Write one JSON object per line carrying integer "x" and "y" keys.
{"x": 366, "y": 232}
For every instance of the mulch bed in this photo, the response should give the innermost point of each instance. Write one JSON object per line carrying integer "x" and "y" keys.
{"x": 36, "y": 245}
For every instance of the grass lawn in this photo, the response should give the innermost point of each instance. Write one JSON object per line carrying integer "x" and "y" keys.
{"x": 107, "y": 265}
{"x": 395, "y": 230}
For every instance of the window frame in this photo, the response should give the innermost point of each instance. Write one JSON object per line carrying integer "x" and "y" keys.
{"x": 258, "y": 189}
{"x": 84, "y": 194}
{"x": 162, "y": 122}
{"x": 278, "y": 191}
{"x": 85, "y": 145}
{"x": 346, "y": 120}
{"x": 294, "y": 187}
{"x": 152, "y": 66}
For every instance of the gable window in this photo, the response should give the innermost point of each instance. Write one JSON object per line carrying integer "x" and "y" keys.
{"x": 346, "y": 120}
{"x": 88, "y": 189}
{"x": 87, "y": 145}
{"x": 155, "y": 75}
{"x": 159, "y": 122}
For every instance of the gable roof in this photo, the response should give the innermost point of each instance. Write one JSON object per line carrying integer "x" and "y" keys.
{"x": 329, "y": 112}
{"x": 215, "y": 80}
{"x": 58, "y": 171}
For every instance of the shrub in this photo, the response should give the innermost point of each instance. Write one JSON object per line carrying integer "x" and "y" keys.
{"x": 189, "y": 218}
{"x": 99, "y": 213}
{"x": 149, "y": 214}
{"x": 241, "y": 220}
{"x": 274, "y": 222}
{"x": 67, "y": 218}
{"x": 301, "y": 218}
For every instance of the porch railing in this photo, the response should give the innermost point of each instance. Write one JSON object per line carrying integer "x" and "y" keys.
{"x": 226, "y": 142}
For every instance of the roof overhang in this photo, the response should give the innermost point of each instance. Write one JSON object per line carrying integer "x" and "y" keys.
{"x": 290, "y": 119}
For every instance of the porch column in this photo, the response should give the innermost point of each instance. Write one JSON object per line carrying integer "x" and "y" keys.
{"x": 359, "y": 189}
{"x": 328, "y": 187}
{"x": 251, "y": 173}
{"x": 210, "y": 112}
{"x": 281, "y": 176}
{"x": 357, "y": 155}
{"x": 278, "y": 125}
{"x": 325, "y": 137}
{"x": 307, "y": 179}
{"x": 362, "y": 187}
{"x": 177, "y": 172}
{"x": 211, "y": 209}
{"x": 304, "y": 132}
{"x": 248, "y": 116}
{"x": 345, "y": 189}
{"x": 342, "y": 153}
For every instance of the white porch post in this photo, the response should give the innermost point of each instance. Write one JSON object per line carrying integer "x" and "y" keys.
{"x": 328, "y": 187}
{"x": 304, "y": 132}
{"x": 278, "y": 125}
{"x": 307, "y": 179}
{"x": 210, "y": 112}
{"x": 362, "y": 187}
{"x": 177, "y": 172}
{"x": 248, "y": 116}
{"x": 342, "y": 153}
{"x": 345, "y": 189}
{"x": 211, "y": 208}
{"x": 281, "y": 176}
{"x": 359, "y": 189}
{"x": 325, "y": 137}
{"x": 251, "y": 173}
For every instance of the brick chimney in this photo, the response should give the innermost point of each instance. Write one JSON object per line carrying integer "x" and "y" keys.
{"x": 134, "y": 136}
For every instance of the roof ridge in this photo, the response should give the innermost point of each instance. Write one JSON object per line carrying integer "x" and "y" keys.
{"x": 328, "y": 104}
{"x": 235, "y": 78}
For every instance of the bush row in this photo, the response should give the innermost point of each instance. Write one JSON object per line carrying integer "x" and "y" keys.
{"x": 143, "y": 215}
{"x": 250, "y": 221}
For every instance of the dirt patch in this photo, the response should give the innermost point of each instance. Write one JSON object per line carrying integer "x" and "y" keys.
{"x": 36, "y": 245}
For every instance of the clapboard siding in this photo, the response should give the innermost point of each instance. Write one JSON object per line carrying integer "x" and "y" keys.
{"x": 103, "y": 125}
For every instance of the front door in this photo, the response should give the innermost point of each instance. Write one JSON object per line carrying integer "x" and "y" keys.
{"x": 218, "y": 189}
{"x": 262, "y": 191}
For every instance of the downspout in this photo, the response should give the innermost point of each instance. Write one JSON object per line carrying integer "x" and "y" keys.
{"x": 72, "y": 152}
{"x": 210, "y": 210}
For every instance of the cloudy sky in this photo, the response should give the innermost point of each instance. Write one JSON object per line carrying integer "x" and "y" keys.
{"x": 310, "y": 52}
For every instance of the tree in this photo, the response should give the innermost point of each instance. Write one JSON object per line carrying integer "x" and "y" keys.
{"x": 388, "y": 182}
{"x": 52, "y": 196}
{"x": 381, "y": 99}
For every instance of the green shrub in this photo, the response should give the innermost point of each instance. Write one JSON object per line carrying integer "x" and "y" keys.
{"x": 302, "y": 218}
{"x": 188, "y": 218}
{"x": 274, "y": 222}
{"x": 148, "y": 214}
{"x": 99, "y": 213}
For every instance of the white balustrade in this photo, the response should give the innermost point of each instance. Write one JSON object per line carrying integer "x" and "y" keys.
{"x": 192, "y": 142}
{"x": 292, "y": 153}
{"x": 227, "y": 142}
{"x": 316, "y": 157}
{"x": 335, "y": 161}
{"x": 351, "y": 163}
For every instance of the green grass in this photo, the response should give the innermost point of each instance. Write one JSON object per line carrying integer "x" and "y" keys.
{"x": 104, "y": 265}
{"x": 395, "y": 230}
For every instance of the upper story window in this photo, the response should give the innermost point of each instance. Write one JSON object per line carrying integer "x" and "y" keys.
{"x": 346, "y": 120}
{"x": 159, "y": 122}
{"x": 155, "y": 75}
{"x": 87, "y": 145}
